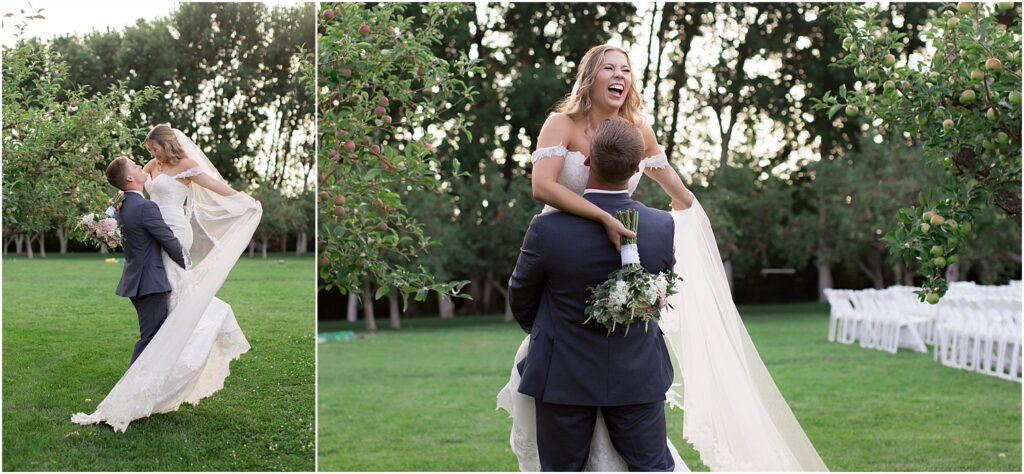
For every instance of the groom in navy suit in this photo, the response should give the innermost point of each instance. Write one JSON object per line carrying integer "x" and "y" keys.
{"x": 144, "y": 235}
{"x": 573, "y": 369}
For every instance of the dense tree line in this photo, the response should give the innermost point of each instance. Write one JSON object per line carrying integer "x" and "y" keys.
{"x": 731, "y": 90}
{"x": 236, "y": 77}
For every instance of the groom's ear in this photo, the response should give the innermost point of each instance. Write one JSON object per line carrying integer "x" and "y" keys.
{"x": 586, "y": 162}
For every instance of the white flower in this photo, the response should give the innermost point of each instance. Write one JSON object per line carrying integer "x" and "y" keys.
{"x": 86, "y": 219}
{"x": 662, "y": 283}
{"x": 651, "y": 292}
{"x": 617, "y": 297}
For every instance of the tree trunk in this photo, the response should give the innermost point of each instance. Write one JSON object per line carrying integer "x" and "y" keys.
{"x": 396, "y": 321}
{"x": 873, "y": 271}
{"x": 952, "y": 273}
{"x": 300, "y": 243}
{"x": 350, "y": 310}
{"x": 679, "y": 82}
{"x": 723, "y": 154}
{"x": 476, "y": 295}
{"x": 650, "y": 43}
{"x": 263, "y": 249}
{"x": 63, "y": 233}
{"x": 662, "y": 28}
{"x": 488, "y": 291}
{"x": 509, "y": 317}
{"x": 28, "y": 246}
{"x": 19, "y": 242}
{"x": 371, "y": 323}
{"x": 908, "y": 276}
{"x": 284, "y": 244}
{"x": 252, "y": 247}
{"x": 42, "y": 244}
{"x": 7, "y": 244}
{"x": 728, "y": 273}
{"x": 445, "y": 307}
{"x": 824, "y": 280}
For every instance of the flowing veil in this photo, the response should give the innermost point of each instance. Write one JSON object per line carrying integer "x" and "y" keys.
{"x": 182, "y": 363}
{"x": 734, "y": 414}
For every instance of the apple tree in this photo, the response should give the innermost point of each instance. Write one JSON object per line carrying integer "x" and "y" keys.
{"x": 385, "y": 102}
{"x": 57, "y": 142}
{"x": 959, "y": 97}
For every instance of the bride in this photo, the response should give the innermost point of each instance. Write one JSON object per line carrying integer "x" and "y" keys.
{"x": 735, "y": 416}
{"x": 188, "y": 358}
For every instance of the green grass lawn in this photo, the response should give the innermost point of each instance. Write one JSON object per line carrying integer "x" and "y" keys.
{"x": 67, "y": 338}
{"x": 423, "y": 398}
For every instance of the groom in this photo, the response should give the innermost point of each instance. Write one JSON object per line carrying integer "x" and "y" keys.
{"x": 573, "y": 369}
{"x": 145, "y": 233}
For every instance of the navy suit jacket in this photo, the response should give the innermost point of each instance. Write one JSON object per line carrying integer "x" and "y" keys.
{"x": 569, "y": 362}
{"x": 144, "y": 234}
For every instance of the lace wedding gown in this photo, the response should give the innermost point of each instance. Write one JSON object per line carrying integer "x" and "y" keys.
{"x": 735, "y": 416}
{"x": 188, "y": 358}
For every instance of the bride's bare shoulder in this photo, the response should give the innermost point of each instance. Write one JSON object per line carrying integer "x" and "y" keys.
{"x": 557, "y": 130}
{"x": 651, "y": 146}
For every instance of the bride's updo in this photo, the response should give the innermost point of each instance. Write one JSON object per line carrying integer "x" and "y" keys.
{"x": 578, "y": 103}
{"x": 164, "y": 136}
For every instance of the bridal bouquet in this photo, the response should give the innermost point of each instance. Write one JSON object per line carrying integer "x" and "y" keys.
{"x": 101, "y": 229}
{"x": 631, "y": 294}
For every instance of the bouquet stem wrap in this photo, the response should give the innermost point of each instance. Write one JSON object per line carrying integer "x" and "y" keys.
{"x": 631, "y": 294}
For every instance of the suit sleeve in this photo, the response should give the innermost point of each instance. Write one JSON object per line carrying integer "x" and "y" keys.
{"x": 154, "y": 223}
{"x": 527, "y": 282}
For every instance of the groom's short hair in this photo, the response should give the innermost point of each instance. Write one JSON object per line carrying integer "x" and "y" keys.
{"x": 616, "y": 150}
{"x": 116, "y": 172}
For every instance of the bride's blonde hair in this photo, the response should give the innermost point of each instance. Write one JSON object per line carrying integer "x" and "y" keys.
{"x": 578, "y": 103}
{"x": 163, "y": 134}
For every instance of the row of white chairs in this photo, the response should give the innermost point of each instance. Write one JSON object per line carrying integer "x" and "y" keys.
{"x": 980, "y": 332}
{"x": 974, "y": 327}
{"x": 878, "y": 319}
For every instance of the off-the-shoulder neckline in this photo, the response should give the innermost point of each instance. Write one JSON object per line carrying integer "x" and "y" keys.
{"x": 567, "y": 151}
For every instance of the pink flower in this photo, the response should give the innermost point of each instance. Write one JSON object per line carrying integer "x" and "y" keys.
{"x": 107, "y": 225}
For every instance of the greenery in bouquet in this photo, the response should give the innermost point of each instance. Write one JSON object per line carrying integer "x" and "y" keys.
{"x": 631, "y": 294}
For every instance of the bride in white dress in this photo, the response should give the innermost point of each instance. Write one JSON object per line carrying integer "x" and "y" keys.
{"x": 188, "y": 358}
{"x": 735, "y": 416}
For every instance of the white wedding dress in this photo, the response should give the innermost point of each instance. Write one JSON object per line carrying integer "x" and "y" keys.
{"x": 188, "y": 358}
{"x": 735, "y": 416}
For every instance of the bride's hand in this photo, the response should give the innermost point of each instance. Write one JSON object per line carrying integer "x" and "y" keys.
{"x": 616, "y": 231}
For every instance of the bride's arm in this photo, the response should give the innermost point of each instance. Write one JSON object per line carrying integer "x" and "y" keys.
{"x": 214, "y": 185}
{"x": 666, "y": 176}
{"x": 208, "y": 181}
{"x": 557, "y": 131}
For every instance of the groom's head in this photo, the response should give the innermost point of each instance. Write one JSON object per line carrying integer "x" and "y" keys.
{"x": 125, "y": 174}
{"x": 616, "y": 151}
